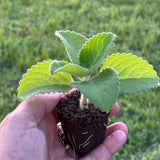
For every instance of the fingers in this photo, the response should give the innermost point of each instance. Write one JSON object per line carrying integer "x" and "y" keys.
{"x": 114, "y": 142}
{"x": 114, "y": 110}
{"x": 109, "y": 147}
{"x": 116, "y": 126}
{"x": 47, "y": 101}
{"x": 115, "y": 138}
{"x": 38, "y": 106}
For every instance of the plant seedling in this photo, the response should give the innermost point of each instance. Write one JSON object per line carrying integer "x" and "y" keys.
{"x": 98, "y": 77}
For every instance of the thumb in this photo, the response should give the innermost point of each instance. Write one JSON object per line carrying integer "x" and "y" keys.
{"x": 38, "y": 106}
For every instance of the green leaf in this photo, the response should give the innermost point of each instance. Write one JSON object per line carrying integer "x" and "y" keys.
{"x": 38, "y": 80}
{"x": 102, "y": 90}
{"x": 64, "y": 66}
{"x": 56, "y": 65}
{"x": 135, "y": 74}
{"x": 95, "y": 50}
{"x": 73, "y": 43}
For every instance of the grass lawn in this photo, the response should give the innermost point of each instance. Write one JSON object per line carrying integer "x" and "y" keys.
{"x": 27, "y": 36}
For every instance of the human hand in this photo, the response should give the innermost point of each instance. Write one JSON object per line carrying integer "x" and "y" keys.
{"x": 30, "y": 133}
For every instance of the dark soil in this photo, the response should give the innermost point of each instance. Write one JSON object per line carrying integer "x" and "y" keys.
{"x": 83, "y": 129}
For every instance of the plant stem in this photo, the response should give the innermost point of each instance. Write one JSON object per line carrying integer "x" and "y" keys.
{"x": 83, "y": 102}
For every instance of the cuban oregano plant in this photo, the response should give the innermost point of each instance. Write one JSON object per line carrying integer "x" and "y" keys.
{"x": 98, "y": 76}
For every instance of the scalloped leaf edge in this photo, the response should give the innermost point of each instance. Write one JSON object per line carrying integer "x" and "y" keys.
{"x": 32, "y": 67}
{"x": 28, "y": 71}
{"x": 143, "y": 90}
{"x": 58, "y": 35}
{"x": 91, "y": 99}
{"x": 133, "y": 56}
{"x": 114, "y": 39}
{"x": 69, "y": 64}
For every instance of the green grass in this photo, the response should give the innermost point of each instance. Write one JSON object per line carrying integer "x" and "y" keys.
{"x": 27, "y": 36}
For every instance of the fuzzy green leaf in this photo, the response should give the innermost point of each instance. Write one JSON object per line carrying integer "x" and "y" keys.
{"x": 101, "y": 90}
{"x": 64, "y": 66}
{"x": 95, "y": 50}
{"x": 56, "y": 65}
{"x": 73, "y": 43}
{"x": 38, "y": 80}
{"x": 135, "y": 74}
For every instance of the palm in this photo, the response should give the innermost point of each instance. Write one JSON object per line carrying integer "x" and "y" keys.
{"x": 54, "y": 148}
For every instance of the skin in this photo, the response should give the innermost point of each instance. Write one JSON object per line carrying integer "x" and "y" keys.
{"x": 30, "y": 133}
